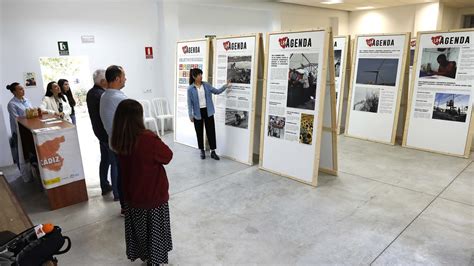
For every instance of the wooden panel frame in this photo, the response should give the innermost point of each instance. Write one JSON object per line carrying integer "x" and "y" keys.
{"x": 256, "y": 65}
{"x": 175, "y": 88}
{"x": 400, "y": 88}
{"x": 327, "y": 43}
{"x": 470, "y": 132}
{"x": 345, "y": 69}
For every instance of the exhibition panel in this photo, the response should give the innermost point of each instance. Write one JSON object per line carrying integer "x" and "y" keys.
{"x": 236, "y": 58}
{"x": 299, "y": 72}
{"x": 441, "y": 92}
{"x": 341, "y": 69}
{"x": 189, "y": 54}
{"x": 377, "y": 82}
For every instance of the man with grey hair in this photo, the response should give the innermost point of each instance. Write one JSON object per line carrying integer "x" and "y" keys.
{"x": 93, "y": 105}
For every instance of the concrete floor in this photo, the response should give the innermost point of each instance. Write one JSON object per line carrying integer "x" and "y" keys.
{"x": 389, "y": 205}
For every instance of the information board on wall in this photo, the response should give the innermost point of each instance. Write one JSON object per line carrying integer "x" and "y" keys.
{"x": 189, "y": 54}
{"x": 376, "y": 86}
{"x": 442, "y": 90}
{"x": 236, "y": 59}
{"x": 299, "y": 73}
{"x": 341, "y": 44}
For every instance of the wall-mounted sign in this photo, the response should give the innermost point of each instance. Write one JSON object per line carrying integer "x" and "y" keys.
{"x": 30, "y": 79}
{"x": 149, "y": 52}
{"x": 88, "y": 39}
{"x": 63, "y": 48}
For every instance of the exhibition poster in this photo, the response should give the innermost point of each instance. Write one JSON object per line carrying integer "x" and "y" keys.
{"x": 441, "y": 97}
{"x": 235, "y": 59}
{"x": 376, "y": 87}
{"x": 294, "y": 100}
{"x": 59, "y": 161}
{"x": 340, "y": 61}
{"x": 189, "y": 54}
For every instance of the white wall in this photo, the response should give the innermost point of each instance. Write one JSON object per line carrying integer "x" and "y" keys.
{"x": 411, "y": 18}
{"x": 182, "y": 20}
{"x": 31, "y": 30}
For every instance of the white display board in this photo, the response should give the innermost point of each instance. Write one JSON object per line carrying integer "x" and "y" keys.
{"x": 376, "y": 86}
{"x": 5, "y": 151}
{"x": 189, "y": 54}
{"x": 236, "y": 59}
{"x": 295, "y": 104}
{"x": 412, "y": 56}
{"x": 59, "y": 157}
{"x": 341, "y": 56}
{"x": 441, "y": 94}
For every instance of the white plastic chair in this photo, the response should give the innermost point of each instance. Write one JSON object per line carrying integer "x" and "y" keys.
{"x": 162, "y": 112}
{"x": 147, "y": 115}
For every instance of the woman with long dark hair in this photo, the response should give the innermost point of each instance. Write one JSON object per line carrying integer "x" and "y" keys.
{"x": 16, "y": 108}
{"x": 201, "y": 109}
{"x": 54, "y": 102}
{"x": 142, "y": 155}
{"x": 66, "y": 90}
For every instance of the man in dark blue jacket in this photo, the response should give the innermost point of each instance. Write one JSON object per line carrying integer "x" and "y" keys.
{"x": 93, "y": 105}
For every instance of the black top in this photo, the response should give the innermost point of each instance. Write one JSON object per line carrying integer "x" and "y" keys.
{"x": 93, "y": 105}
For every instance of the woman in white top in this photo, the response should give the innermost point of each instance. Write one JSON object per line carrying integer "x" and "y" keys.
{"x": 55, "y": 102}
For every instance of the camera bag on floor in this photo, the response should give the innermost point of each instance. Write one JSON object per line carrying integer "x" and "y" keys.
{"x": 28, "y": 248}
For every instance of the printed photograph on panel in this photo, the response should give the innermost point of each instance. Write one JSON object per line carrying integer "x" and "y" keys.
{"x": 276, "y": 126}
{"x": 306, "y": 128}
{"x": 239, "y": 69}
{"x": 236, "y": 118}
{"x": 337, "y": 62}
{"x": 377, "y": 71}
{"x": 302, "y": 80}
{"x": 451, "y": 107}
{"x": 366, "y": 99}
{"x": 439, "y": 63}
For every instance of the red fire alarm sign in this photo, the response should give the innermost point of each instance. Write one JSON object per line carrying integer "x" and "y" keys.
{"x": 148, "y": 52}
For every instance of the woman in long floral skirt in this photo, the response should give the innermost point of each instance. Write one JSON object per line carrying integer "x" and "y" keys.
{"x": 142, "y": 155}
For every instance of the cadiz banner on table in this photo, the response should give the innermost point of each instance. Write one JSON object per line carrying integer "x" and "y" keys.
{"x": 59, "y": 157}
{"x": 442, "y": 90}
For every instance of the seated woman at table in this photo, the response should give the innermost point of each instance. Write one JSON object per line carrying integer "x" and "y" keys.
{"x": 54, "y": 102}
{"x": 16, "y": 108}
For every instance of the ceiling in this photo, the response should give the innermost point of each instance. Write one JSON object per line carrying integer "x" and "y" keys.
{"x": 355, "y": 5}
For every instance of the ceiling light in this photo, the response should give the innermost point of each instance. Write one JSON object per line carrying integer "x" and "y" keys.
{"x": 332, "y": 2}
{"x": 364, "y": 7}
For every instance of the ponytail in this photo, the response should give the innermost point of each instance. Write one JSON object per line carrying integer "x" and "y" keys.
{"x": 194, "y": 72}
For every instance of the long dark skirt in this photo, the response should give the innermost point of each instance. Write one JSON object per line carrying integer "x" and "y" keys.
{"x": 148, "y": 234}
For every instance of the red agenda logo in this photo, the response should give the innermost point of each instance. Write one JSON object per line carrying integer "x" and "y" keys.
{"x": 283, "y": 41}
{"x": 226, "y": 45}
{"x": 370, "y": 42}
{"x": 185, "y": 49}
{"x": 437, "y": 39}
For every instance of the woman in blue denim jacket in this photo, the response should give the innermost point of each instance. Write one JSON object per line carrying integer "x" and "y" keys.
{"x": 201, "y": 109}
